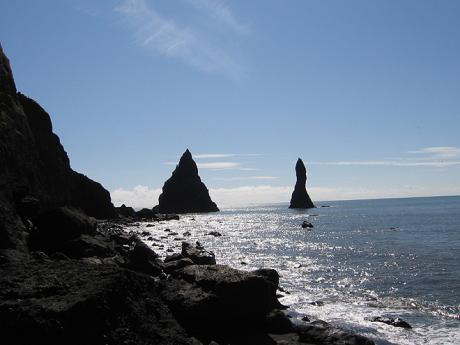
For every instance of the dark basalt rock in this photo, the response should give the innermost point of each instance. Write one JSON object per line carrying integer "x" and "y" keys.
{"x": 184, "y": 192}
{"x": 125, "y": 211}
{"x": 218, "y": 302}
{"x": 322, "y": 333}
{"x": 300, "y": 197}
{"x": 306, "y": 225}
{"x": 34, "y": 164}
{"x": 396, "y": 322}
{"x": 74, "y": 302}
{"x": 198, "y": 254}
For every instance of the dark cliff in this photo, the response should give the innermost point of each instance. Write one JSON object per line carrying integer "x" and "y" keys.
{"x": 184, "y": 192}
{"x": 300, "y": 197}
{"x": 34, "y": 165}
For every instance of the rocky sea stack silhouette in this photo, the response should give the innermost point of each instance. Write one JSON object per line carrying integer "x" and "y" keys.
{"x": 300, "y": 197}
{"x": 184, "y": 192}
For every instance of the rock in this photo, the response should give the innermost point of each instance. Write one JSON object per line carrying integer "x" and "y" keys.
{"x": 218, "y": 302}
{"x": 396, "y": 322}
{"x": 300, "y": 197}
{"x": 278, "y": 323}
{"x": 323, "y": 333}
{"x": 305, "y": 318}
{"x": 58, "y": 225}
{"x": 173, "y": 257}
{"x": 184, "y": 192}
{"x": 145, "y": 213}
{"x": 86, "y": 246}
{"x": 28, "y": 207}
{"x": 174, "y": 265}
{"x": 91, "y": 197}
{"x": 73, "y": 302}
{"x": 198, "y": 254}
{"x": 143, "y": 259}
{"x": 306, "y": 224}
{"x": 215, "y": 233}
{"x": 125, "y": 211}
{"x": 317, "y": 303}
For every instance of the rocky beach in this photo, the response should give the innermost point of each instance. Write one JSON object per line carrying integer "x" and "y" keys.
{"x": 73, "y": 273}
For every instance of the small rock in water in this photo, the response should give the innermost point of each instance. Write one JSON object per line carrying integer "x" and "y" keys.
{"x": 167, "y": 230}
{"x": 317, "y": 303}
{"x": 325, "y": 206}
{"x": 149, "y": 225}
{"x": 215, "y": 233}
{"x": 396, "y": 322}
{"x": 306, "y": 319}
{"x": 306, "y": 224}
{"x": 145, "y": 233}
{"x": 187, "y": 233}
{"x": 172, "y": 233}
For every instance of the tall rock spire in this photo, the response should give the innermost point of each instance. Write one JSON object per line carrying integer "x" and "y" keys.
{"x": 184, "y": 192}
{"x": 300, "y": 197}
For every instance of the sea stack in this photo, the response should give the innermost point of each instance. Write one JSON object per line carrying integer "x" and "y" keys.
{"x": 184, "y": 192}
{"x": 300, "y": 197}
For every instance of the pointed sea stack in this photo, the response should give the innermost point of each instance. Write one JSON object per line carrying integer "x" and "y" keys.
{"x": 300, "y": 197}
{"x": 184, "y": 192}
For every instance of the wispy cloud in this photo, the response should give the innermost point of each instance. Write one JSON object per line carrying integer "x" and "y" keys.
{"x": 164, "y": 36}
{"x": 439, "y": 151}
{"x": 395, "y": 163}
{"x": 437, "y": 157}
{"x": 218, "y": 165}
{"x": 242, "y": 178}
{"x": 225, "y": 155}
{"x": 220, "y": 12}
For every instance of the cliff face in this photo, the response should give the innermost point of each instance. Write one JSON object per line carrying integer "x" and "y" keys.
{"x": 34, "y": 164}
{"x": 300, "y": 197}
{"x": 184, "y": 192}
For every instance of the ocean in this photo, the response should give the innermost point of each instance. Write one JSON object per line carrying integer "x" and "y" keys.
{"x": 363, "y": 258}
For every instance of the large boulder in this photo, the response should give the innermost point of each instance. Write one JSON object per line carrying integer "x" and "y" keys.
{"x": 219, "y": 302}
{"x": 300, "y": 197}
{"x": 184, "y": 192}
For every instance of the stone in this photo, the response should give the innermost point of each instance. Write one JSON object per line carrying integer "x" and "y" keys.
{"x": 125, "y": 211}
{"x": 300, "y": 197}
{"x": 215, "y": 234}
{"x": 184, "y": 192}
{"x": 174, "y": 265}
{"x": 396, "y": 322}
{"x": 143, "y": 259}
{"x": 145, "y": 213}
{"x": 58, "y": 225}
{"x": 198, "y": 254}
{"x": 320, "y": 332}
{"x": 278, "y": 323}
{"x": 307, "y": 225}
{"x": 84, "y": 302}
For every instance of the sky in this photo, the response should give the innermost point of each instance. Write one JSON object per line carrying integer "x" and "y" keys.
{"x": 367, "y": 93}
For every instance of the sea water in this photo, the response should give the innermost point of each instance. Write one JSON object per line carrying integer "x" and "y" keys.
{"x": 366, "y": 258}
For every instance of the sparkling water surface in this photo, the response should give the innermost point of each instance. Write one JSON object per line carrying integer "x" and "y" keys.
{"x": 387, "y": 257}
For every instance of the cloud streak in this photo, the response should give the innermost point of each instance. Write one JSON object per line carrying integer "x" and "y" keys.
{"x": 220, "y": 12}
{"x": 437, "y": 157}
{"x": 165, "y": 37}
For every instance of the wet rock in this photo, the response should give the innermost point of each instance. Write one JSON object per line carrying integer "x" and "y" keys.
{"x": 198, "y": 254}
{"x": 184, "y": 192}
{"x": 325, "y": 334}
{"x": 306, "y": 224}
{"x": 305, "y": 318}
{"x": 396, "y": 322}
{"x": 317, "y": 303}
{"x": 215, "y": 233}
{"x": 300, "y": 197}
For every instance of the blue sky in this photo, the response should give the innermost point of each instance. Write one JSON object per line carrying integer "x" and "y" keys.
{"x": 366, "y": 92}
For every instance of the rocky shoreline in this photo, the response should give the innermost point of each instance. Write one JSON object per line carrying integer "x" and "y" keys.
{"x": 67, "y": 278}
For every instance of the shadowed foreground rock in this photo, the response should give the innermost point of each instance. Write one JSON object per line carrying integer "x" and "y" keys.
{"x": 184, "y": 192}
{"x": 300, "y": 197}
